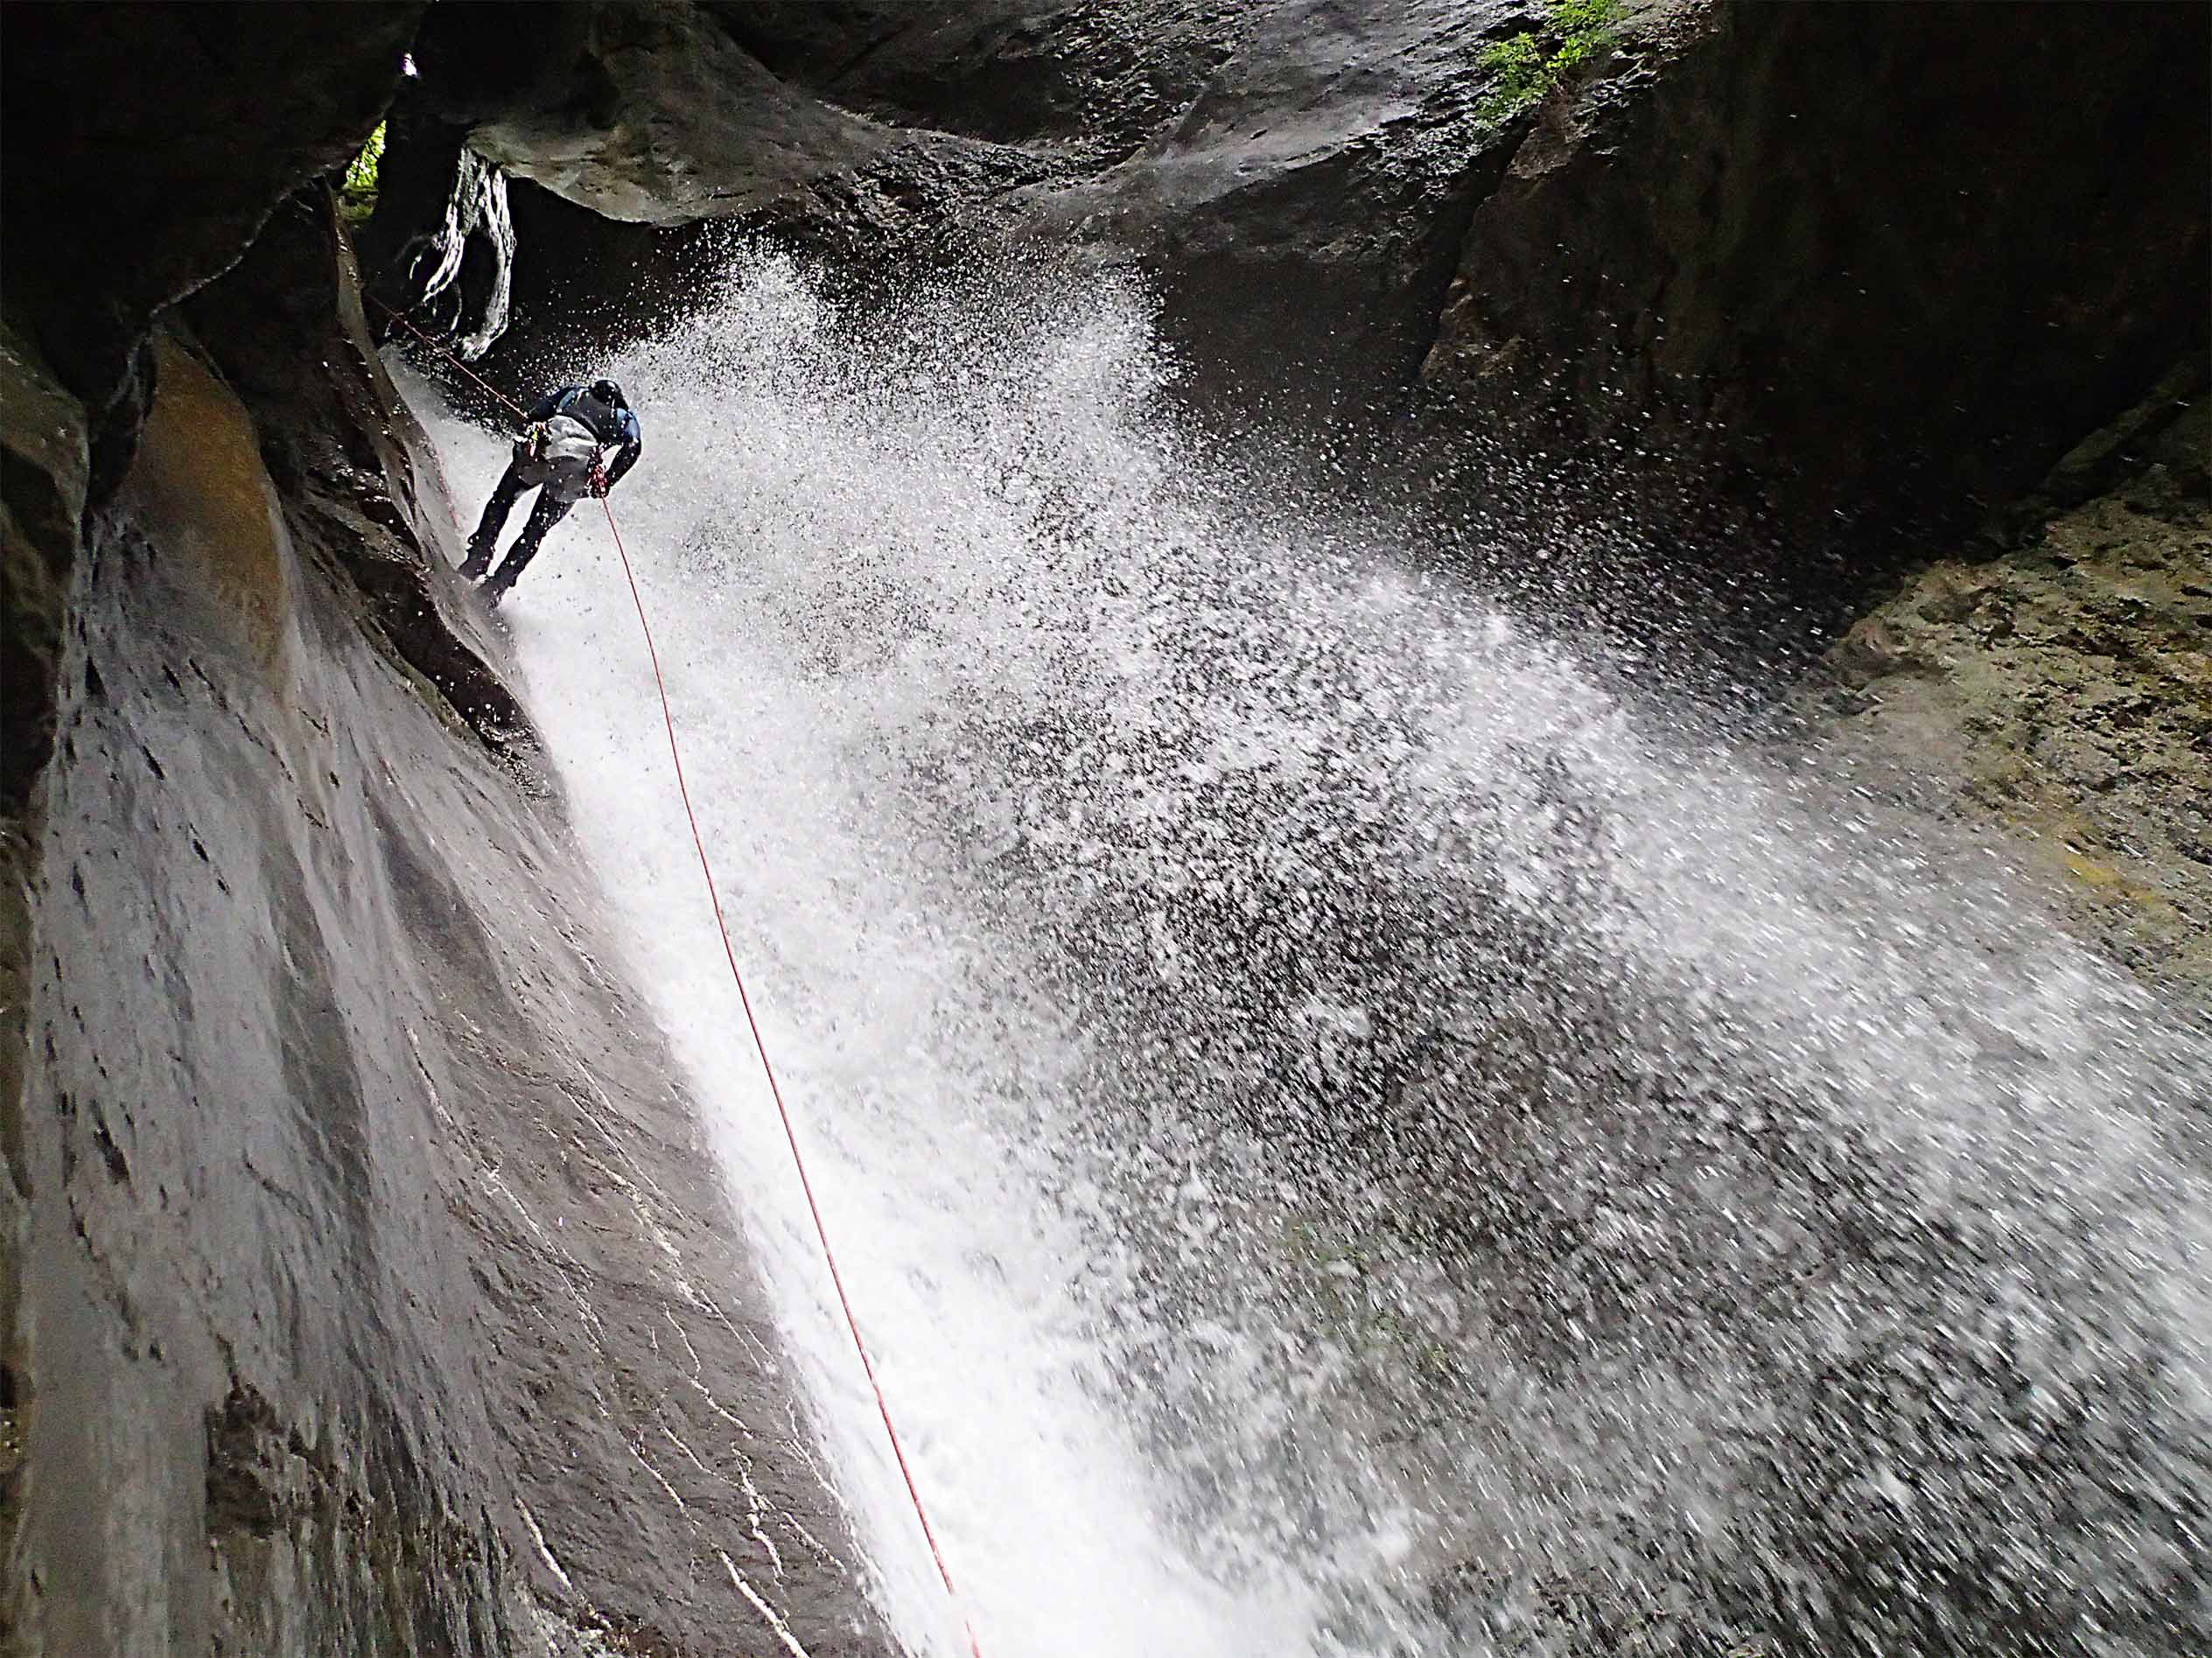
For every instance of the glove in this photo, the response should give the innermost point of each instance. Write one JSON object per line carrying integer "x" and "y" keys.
{"x": 533, "y": 440}
{"x": 600, "y": 485}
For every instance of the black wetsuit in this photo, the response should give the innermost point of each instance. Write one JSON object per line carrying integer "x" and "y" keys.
{"x": 610, "y": 424}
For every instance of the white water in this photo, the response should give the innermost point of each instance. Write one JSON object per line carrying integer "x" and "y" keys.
{"x": 1094, "y": 832}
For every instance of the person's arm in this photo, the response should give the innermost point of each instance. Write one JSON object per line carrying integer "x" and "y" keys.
{"x": 632, "y": 446}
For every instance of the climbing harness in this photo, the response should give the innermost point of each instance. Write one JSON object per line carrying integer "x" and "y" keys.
{"x": 744, "y": 1000}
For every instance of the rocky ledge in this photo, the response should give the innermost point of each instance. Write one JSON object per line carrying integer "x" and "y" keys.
{"x": 2057, "y": 680}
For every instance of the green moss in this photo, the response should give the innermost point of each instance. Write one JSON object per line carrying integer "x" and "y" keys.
{"x": 1530, "y": 64}
{"x": 357, "y": 194}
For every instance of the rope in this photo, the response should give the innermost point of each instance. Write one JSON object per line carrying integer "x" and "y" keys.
{"x": 482, "y": 384}
{"x": 745, "y": 999}
{"x": 775, "y": 1090}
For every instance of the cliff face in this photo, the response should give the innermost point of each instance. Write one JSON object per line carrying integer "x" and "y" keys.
{"x": 376, "y": 1288}
{"x": 1856, "y": 268}
{"x": 367, "y": 1286}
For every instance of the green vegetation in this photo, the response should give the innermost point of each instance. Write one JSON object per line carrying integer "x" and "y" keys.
{"x": 1533, "y": 62}
{"x": 357, "y": 194}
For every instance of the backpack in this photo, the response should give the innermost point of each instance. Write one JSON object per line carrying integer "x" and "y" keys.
{"x": 602, "y": 418}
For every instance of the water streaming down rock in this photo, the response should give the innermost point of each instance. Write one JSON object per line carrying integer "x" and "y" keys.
{"x": 1346, "y": 1134}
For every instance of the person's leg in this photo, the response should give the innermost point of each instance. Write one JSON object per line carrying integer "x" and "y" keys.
{"x": 549, "y": 512}
{"x": 484, "y": 542}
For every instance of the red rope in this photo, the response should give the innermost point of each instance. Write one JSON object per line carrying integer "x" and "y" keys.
{"x": 775, "y": 1090}
{"x": 519, "y": 412}
{"x": 745, "y": 999}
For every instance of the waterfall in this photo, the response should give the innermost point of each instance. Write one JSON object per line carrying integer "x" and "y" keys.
{"x": 1346, "y": 1131}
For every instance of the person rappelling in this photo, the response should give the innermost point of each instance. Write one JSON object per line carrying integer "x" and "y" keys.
{"x": 560, "y": 457}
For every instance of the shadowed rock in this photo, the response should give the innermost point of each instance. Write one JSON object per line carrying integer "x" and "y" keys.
{"x": 347, "y": 1143}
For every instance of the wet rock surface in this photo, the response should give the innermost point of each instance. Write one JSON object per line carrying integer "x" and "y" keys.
{"x": 341, "y": 436}
{"x": 1303, "y": 209}
{"x": 646, "y": 113}
{"x": 2059, "y": 686}
{"x": 1782, "y": 254}
{"x": 1295, "y": 178}
{"x": 367, "y": 1287}
{"x": 117, "y": 205}
{"x": 123, "y": 201}
{"x": 371, "y": 1288}
{"x": 641, "y": 138}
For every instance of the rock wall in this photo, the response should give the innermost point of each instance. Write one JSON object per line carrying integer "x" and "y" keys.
{"x": 365, "y": 1283}
{"x": 1295, "y": 178}
{"x": 376, "y": 1288}
{"x": 1860, "y": 266}
{"x": 127, "y": 184}
{"x": 2057, "y": 681}
{"x": 641, "y": 137}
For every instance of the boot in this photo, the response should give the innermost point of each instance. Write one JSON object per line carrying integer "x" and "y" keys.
{"x": 502, "y": 580}
{"x": 548, "y": 512}
{"x": 478, "y": 560}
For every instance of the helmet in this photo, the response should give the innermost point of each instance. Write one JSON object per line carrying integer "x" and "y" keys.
{"x": 607, "y": 392}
